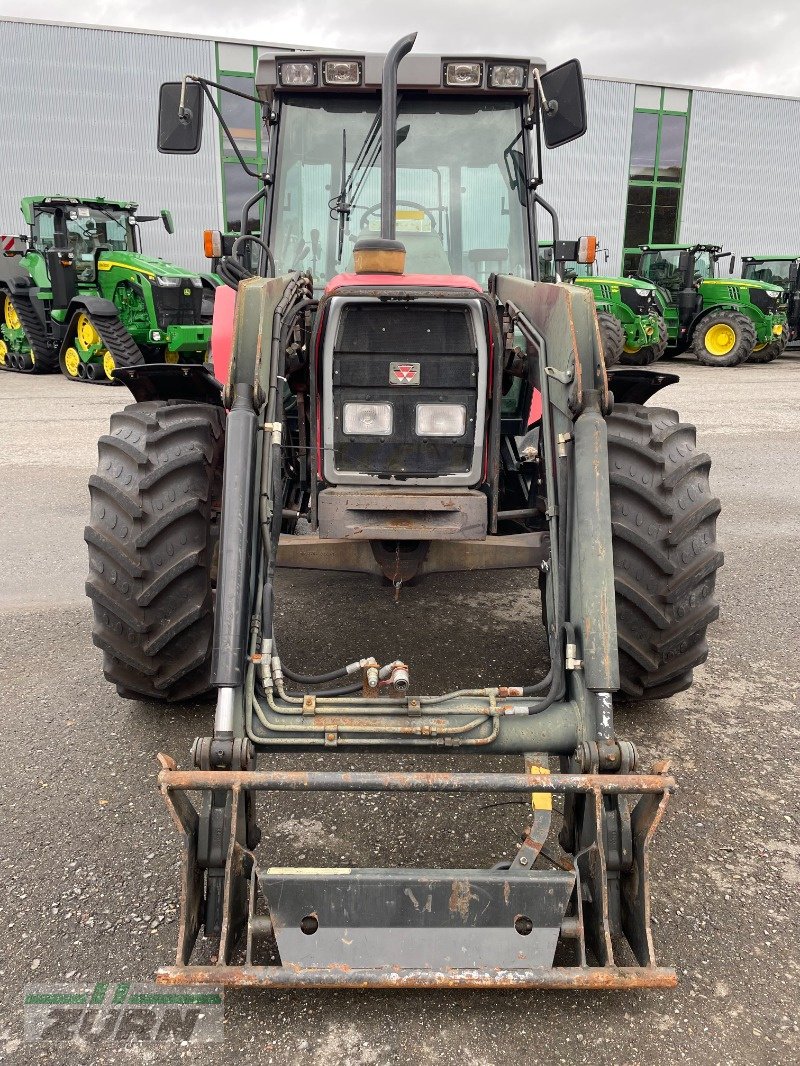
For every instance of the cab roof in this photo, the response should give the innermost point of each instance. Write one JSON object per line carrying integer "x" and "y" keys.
{"x": 30, "y": 202}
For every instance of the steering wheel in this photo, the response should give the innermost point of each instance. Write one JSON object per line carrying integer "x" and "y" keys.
{"x": 400, "y": 203}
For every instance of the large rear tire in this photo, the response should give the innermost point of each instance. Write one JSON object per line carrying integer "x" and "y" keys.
{"x": 152, "y": 538}
{"x": 663, "y": 518}
{"x": 612, "y": 335}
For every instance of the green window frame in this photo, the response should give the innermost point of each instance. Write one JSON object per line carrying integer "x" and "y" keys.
{"x": 234, "y": 181}
{"x": 653, "y": 203}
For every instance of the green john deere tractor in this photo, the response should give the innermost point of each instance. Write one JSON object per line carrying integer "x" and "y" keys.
{"x": 628, "y": 311}
{"x": 780, "y": 270}
{"x": 721, "y": 321}
{"x": 86, "y": 299}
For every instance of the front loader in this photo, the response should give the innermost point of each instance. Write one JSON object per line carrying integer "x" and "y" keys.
{"x": 85, "y": 299}
{"x": 372, "y": 417}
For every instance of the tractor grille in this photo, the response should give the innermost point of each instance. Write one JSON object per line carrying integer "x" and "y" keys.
{"x": 404, "y": 355}
{"x": 762, "y": 299}
{"x": 640, "y": 305}
{"x": 178, "y": 305}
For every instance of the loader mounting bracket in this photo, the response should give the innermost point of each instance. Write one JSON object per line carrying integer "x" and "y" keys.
{"x": 514, "y": 925}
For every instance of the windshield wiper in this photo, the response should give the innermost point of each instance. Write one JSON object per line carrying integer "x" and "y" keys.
{"x": 365, "y": 158}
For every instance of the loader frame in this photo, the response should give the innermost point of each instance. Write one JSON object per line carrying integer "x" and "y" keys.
{"x": 601, "y": 878}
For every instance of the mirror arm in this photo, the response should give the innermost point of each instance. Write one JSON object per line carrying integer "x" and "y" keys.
{"x": 204, "y": 85}
{"x": 549, "y": 106}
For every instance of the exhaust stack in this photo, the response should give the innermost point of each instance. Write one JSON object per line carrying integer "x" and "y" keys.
{"x": 389, "y": 134}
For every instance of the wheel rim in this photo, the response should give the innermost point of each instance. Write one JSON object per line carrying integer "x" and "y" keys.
{"x": 171, "y": 357}
{"x": 10, "y": 314}
{"x": 759, "y": 347}
{"x": 720, "y": 339}
{"x": 72, "y": 362}
{"x": 3, "y": 353}
{"x": 109, "y": 366}
{"x": 630, "y": 349}
{"x": 87, "y": 334}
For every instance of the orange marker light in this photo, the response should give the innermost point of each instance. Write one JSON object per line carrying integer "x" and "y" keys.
{"x": 212, "y": 243}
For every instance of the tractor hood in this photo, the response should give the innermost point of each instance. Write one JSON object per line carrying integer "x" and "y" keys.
{"x": 143, "y": 264}
{"x": 743, "y": 283}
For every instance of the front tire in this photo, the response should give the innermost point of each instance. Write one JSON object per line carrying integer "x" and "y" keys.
{"x": 663, "y": 519}
{"x": 723, "y": 338}
{"x": 612, "y": 335}
{"x": 770, "y": 351}
{"x": 152, "y": 537}
{"x": 651, "y": 352}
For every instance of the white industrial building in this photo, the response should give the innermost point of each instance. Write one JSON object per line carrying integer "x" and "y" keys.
{"x": 659, "y": 163}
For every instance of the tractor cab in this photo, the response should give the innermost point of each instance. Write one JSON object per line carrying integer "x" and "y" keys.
{"x": 71, "y": 233}
{"x": 781, "y": 270}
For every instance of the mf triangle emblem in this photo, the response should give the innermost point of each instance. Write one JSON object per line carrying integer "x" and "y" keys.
{"x": 404, "y": 373}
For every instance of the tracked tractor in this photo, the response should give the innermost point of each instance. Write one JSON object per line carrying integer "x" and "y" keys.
{"x": 721, "y": 321}
{"x": 628, "y": 311}
{"x": 386, "y": 408}
{"x": 779, "y": 270}
{"x": 87, "y": 301}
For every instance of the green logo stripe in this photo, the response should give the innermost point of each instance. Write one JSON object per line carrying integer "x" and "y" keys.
{"x": 121, "y": 993}
{"x": 99, "y": 993}
{"x": 175, "y": 997}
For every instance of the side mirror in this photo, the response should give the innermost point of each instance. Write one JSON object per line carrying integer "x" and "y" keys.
{"x": 166, "y": 218}
{"x": 564, "y": 104}
{"x": 180, "y": 129}
{"x": 793, "y": 270}
{"x": 732, "y": 264}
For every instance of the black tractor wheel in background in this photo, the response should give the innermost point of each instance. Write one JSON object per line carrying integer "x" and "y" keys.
{"x": 663, "y": 518}
{"x": 770, "y": 351}
{"x": 651, "y": 352}
{"x": 723, "y": 338}
{"x": 152, "y": 539}
{"x": 612, "y": 335}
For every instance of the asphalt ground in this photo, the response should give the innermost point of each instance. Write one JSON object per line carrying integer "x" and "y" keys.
{"x": 88, "y": 855}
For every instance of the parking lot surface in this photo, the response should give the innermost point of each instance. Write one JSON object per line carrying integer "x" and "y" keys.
{"x": 88, "y": 855}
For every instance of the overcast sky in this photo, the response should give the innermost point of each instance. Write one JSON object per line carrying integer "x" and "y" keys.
{"x": 732, "y": 44}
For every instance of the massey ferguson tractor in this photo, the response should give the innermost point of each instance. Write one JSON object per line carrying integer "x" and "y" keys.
{"x": 404, "y": 397}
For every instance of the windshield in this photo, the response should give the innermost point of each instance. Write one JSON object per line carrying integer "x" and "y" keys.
{"x": 457, "y": 210}
{"x": 83, "y": 231}
{"x": 662, "y": 267}
{"x": 773, "y": 271}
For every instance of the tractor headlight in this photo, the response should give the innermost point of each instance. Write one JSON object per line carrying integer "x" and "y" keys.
{"x": 463, "y": 74}
{"x": 506, "y": 76}
{"x": 297, "y": 73}
{"x": 441, "y": 419}
{"x": 339, "y": 72}
{"x": 643, "y": 292}
{"x": 371, "y": 419}
{"x": 169, "y": 282}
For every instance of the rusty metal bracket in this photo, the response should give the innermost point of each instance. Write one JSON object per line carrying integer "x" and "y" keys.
{"x": 586, "y": 919}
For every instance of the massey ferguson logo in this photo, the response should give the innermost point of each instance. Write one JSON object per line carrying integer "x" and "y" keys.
{"x": 404, "y": 373}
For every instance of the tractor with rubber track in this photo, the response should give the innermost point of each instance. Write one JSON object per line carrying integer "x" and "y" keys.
{"x": 87, "y": 301}
{"x": 628, "y": 310}
{"x": 387, "y": 409}
{"x": 784, "y": 271}
{"x": 720, "y": 321}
